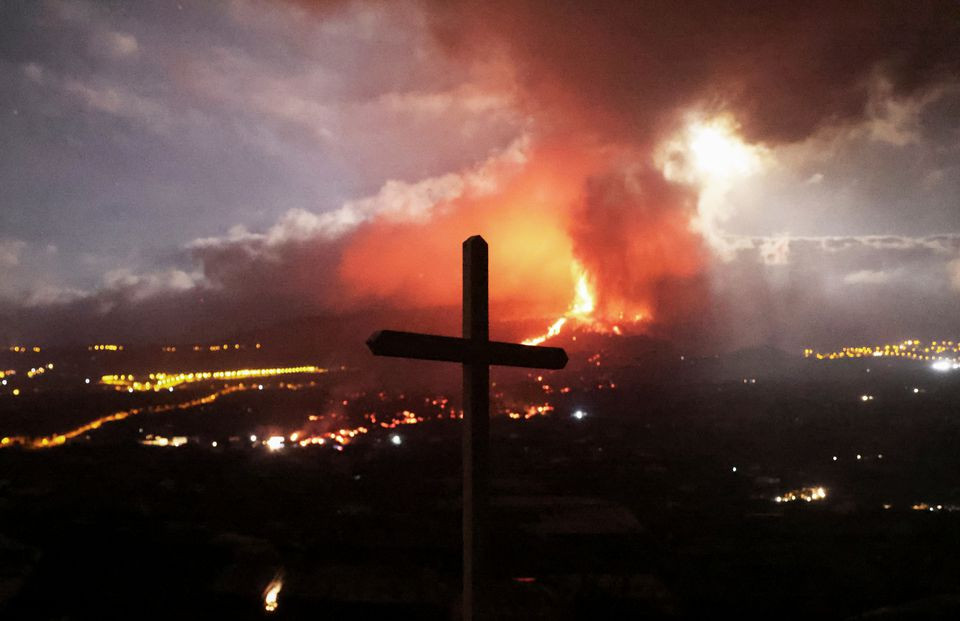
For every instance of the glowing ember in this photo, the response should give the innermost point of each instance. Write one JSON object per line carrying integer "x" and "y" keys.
{"x": 271, "y": 593}
{"x": 531, "y": 411}
{"x": 274, "y": 443}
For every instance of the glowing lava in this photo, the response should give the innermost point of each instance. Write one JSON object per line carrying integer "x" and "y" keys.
{"x": 272, "y": 593}
{"x": 581, "y": 312}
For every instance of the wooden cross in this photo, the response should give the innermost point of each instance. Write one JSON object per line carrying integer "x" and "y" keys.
{"x": 476, "y": 352}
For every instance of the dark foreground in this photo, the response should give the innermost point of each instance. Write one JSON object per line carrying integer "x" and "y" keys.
{"x": 658, "y": 504}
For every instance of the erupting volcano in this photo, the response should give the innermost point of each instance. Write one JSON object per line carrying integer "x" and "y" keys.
{"x": 249, "y": 370}
{"x": 581, "y": 314}
{"x": 604, "y": 237}
{"x": 649, "y": 158}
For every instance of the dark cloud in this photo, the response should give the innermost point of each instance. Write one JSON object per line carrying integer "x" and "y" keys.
{"x": 784, "y": 69}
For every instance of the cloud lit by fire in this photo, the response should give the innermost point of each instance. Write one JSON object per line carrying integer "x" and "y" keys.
{"x": 630, "y": 164}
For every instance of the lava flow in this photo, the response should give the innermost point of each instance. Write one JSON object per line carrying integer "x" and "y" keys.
{"x": 581, "y": 312}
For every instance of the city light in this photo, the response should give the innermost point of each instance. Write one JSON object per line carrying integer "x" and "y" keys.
{"x": 338, "y": 438}
{"x": 159, "y": 381}
{"x": 944, "y": 355}
{"x": 925, "y": 506}
{"x": 175, "y": 441}
{"x": 37, "y": 371}
{"x": 22, "y": 349}
{"x": 806, "y": 494}
{"x": 531, "y": 411}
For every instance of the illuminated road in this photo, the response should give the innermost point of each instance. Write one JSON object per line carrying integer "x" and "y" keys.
{"x": 337, "y": 437}
{"x": 167, "y": 381}
{"x": 59, "y": 439}
{"x": 912, "y": 349}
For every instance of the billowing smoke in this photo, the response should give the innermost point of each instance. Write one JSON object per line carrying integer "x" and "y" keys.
{"x": 630, "y": 70}
{"x": 594, "y": 91}
{"x": 631, "y": 231}
{"x": 611, "y": 82}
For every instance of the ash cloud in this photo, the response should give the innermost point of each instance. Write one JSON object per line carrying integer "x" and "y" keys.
{"x": 628, "y": 75}
{"x": 629, "y": 69}
{"x": 631, "y": 229}
{"x": 535, "y": 123}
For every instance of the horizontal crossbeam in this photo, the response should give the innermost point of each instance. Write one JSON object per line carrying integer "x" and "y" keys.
{"x": 455, "y": 349}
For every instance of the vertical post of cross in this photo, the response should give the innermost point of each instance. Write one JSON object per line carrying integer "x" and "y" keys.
{"x": 476, "y": 424}
{"x": 476, "y": 352}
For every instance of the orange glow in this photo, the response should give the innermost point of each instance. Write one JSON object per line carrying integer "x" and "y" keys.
{"x": 524, "y": 223}
{"x": 581, "y": 312}
{"x": 578, "y": 233}
{"x": 531, "y": 411}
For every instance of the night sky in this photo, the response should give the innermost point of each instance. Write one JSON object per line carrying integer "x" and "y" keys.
{"x": 737, "y": 173}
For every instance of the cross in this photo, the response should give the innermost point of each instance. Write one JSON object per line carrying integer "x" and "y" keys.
{"x": 476, "y": 352}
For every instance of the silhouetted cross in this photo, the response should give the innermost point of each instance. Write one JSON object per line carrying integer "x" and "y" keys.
{"x": 476, "y": 352}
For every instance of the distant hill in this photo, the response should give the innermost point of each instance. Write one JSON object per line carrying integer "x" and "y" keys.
{"x": 764, "y": 361}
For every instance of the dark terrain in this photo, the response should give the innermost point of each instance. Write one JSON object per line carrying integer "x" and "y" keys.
{"x": 657, "y": 503}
